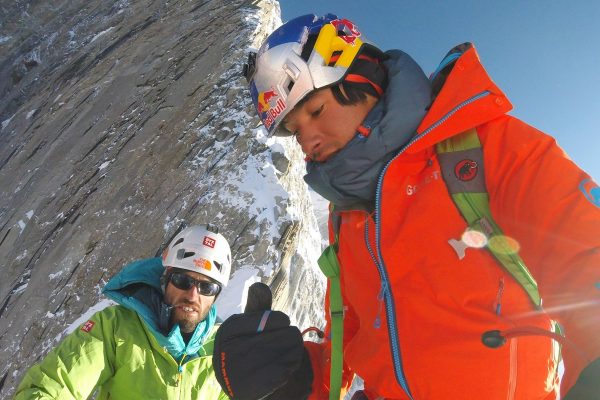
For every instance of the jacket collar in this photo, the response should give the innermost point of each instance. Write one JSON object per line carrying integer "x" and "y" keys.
{"x": 137, "y": 287}
{"x": 465, "y": 97}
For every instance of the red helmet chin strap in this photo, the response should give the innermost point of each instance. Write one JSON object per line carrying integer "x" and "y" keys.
{"x": 361, "y": 79}
{"x": 356, "y": 78}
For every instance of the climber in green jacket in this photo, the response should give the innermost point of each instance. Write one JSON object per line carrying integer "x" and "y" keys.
{"x": 157, "y": 342}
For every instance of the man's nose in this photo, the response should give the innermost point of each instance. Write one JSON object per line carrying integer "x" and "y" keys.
{"x": 192, "y": 293}
{"x": 305, "y": 133}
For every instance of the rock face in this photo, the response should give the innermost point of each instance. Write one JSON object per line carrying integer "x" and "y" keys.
{"x": 121, "y": 123}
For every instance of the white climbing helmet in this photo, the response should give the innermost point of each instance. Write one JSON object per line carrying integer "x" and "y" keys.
{"x": 202, "y": 249}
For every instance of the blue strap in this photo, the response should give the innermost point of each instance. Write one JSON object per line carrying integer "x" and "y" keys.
{"x": 263, "y": 321}
{"x": 450, "y": 58}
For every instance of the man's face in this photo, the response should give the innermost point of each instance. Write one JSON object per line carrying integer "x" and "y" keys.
{"x": 189, "y": 307}
{"x": 323, "y": 126}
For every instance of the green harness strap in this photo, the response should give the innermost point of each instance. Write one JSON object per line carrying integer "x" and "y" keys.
{"x": 328, "y": 262}
{"x": 461, "y": 161}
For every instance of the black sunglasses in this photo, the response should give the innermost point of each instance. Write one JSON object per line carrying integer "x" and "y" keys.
{"x": 185, "y": 282}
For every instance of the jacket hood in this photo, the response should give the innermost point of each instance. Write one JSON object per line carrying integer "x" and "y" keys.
{"x": 137, "y": 287}
{"x": 464, "y": 97}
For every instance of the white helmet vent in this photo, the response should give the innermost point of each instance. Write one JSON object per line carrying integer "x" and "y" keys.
{"x": 181, "y": 254}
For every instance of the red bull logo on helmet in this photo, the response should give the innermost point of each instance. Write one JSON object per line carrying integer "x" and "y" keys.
{"x": 269, "y": 106}
{"x": 350, "y": 30}
{"x": 265, "y": 99}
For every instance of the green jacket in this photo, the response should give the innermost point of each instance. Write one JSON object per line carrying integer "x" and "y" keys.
{"x": 125, "y": 352}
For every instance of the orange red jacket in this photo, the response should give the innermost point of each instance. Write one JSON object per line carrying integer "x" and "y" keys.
{"x": 416, "y": 313}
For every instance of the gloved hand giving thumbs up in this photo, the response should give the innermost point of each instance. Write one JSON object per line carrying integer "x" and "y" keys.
{"x": 258, "y": 355}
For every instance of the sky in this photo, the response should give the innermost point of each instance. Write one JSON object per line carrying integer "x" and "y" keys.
{"x": 544, "y": 55}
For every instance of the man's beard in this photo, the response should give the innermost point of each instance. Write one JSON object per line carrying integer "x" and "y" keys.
{"x": 187, "y": 324}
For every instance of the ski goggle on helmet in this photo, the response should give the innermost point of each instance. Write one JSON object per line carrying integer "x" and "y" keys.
{"x": 302, "y": 55}
{"x": 202, "y": 249}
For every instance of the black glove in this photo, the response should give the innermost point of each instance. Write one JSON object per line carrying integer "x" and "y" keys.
{"x": 587, "y": 386}
{"x": 258, "y": 355}
{"x": 259, "y": 298}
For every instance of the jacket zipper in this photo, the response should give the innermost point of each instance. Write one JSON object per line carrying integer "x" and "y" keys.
{"x": 380, "y": 263}
{"x": 180, "y": 370}
{"x": 381, "y": 294}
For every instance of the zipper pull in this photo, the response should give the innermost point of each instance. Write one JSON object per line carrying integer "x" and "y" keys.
{"x": 179, "y": 373}
{"x": 180, "y": 370}
{"x": 498, "y": 307}
{"x": 380, "y": 297}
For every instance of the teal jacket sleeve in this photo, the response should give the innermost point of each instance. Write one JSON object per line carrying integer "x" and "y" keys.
{"x": 80, "y": 363}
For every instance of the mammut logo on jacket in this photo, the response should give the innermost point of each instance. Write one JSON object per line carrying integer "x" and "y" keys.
{"x": 466, "y": 170}
{"x": 591, "y": 191}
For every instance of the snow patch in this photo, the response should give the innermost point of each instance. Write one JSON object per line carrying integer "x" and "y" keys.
{"x": 33, "y": 57}
{"x": 56, "y": 275}
{"x": 30, "y": 113}
{"x": 321, "y": 210}
{"x": 104, "y": 165}
{"x": 21, "y": 256}
{"x": 85, "y": 317}
{"x": 22, "y": 225}
{"x": 6, "y": 122}
{"x": 4, "y": 39}
{"x": 233, "y": 298}
{"x": 51, "y": 39}
{"x": 20, "y": 289}
{"x": 169, "y": 223}
{"x": 29, "y": 214}
{"x": 102, "y": 33}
